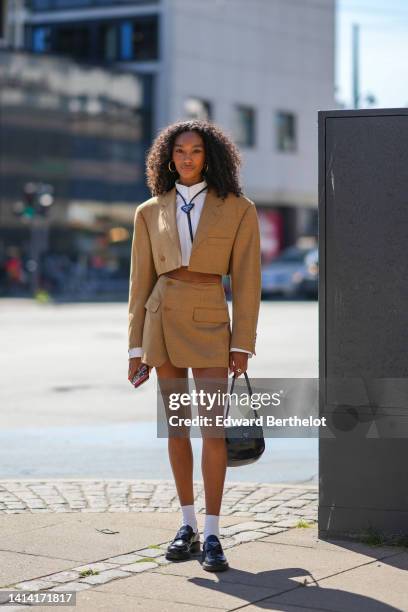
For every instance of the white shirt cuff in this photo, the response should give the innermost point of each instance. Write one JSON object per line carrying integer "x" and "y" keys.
{"x": 135, "y": 352}
{"x": 241, "y": 351}
{"x": 138, "y": 351}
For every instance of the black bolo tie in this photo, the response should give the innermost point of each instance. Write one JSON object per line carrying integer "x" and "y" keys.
{"x": 187, "y": 207}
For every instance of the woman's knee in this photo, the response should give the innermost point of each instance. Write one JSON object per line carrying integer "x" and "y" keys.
{"x": 213, "y": 439}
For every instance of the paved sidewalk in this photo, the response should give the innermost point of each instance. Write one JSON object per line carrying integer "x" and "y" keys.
{"x": 256, "y": 500}
{"x": 106, "y": 541}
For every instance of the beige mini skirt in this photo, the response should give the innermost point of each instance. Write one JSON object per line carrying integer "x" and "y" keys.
{"x": 187, "y": 323}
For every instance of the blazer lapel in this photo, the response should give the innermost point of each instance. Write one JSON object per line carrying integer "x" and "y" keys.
{"x": 210, "y": 214}
{"x": 167, "y": 217}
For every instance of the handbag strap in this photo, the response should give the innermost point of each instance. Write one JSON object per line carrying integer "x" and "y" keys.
{"x": 232, "y": 388}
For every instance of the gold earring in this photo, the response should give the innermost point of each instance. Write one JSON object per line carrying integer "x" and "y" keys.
{"x": 169, "y": 166}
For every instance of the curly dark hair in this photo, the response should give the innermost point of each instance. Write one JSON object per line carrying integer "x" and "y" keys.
{"x": 222, "y": 156}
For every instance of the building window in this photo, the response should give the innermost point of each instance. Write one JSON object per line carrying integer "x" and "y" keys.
{"x": 139, "y": 39}
{"x": 100, "y": 41}
{"x": 244, "y": 126}
{"x": 73, "y": 40}
{"x": 286, "y": 131}
{"x": 55, "y": 5}
{"x": 41, "y": 40}
{"x": 108, "y": 42}
{"x": 195, "y": 108}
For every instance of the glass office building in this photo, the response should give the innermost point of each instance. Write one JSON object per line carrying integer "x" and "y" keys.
{"x": 84, "y": 130}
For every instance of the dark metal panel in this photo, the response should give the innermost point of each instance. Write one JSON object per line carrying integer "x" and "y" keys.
{"x": 363, "y": 318}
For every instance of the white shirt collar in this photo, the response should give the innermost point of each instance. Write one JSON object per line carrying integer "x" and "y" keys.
{"x": 189, "y": 192}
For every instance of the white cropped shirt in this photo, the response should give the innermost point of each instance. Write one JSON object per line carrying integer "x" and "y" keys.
{"x": 184, "y": 234}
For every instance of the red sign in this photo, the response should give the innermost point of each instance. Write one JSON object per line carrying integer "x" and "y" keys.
{"x": 271, "y": 227}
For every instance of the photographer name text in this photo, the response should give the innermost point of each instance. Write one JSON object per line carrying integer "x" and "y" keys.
{"x": 261, "y": 420}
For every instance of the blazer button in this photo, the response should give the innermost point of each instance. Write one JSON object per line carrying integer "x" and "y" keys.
{"x": 162, "y": 258}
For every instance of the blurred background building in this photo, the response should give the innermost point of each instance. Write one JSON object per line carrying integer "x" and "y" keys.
{"x": 86, "y": 85}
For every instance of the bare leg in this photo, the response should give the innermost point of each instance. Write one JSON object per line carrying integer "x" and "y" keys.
{"x": 214, "y": 450}
{"x": 174, "y": 380}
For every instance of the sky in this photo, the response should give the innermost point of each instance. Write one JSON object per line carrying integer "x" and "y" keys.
{"x": 383, "y": 51}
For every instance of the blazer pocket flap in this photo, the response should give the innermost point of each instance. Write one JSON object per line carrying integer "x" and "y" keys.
{"x": 152, "y": 304}
{"x": 212, "y": 315}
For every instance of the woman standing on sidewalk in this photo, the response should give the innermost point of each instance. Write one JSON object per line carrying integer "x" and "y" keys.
{"x": 197, "y": 227}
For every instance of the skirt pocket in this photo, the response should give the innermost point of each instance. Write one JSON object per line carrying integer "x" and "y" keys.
{"x": 211, "y": 315}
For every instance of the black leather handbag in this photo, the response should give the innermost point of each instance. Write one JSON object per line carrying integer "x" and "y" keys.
{"x": 245, "y": 443}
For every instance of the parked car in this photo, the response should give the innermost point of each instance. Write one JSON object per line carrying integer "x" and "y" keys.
{"x": 290, "y": 274}
{"x": 308, "y": 286}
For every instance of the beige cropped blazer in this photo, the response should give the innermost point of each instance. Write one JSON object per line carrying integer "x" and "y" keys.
{"x": 227, "y": 242}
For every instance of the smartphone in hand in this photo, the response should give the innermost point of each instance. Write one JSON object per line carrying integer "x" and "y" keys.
{"x": 141, "y": 375}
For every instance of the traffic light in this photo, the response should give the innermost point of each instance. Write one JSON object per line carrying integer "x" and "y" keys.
{"x": 37, "y": 200}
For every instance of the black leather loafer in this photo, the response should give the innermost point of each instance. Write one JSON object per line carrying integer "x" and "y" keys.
{"x": 213, "y": 558}
{"x": 185, "y": 543}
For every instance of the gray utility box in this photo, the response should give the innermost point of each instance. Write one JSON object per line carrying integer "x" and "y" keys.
{"x": 363, "y": 321}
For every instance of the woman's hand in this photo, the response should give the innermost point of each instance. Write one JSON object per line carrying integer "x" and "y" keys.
{"x": 134, "y": 363}
{"x": 238, "y": 361}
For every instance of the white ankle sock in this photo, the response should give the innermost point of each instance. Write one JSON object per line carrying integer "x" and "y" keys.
{"x": 189, "y": 517}
{"x": 211, "y": 525}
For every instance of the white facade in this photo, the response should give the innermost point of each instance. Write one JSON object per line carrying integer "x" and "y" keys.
{"x": 267, "y": 54}
{"x": 270, "y": 55}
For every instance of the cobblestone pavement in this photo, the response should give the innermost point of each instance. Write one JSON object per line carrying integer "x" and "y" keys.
{"x": 270, "y": 509}
{"x": 256, "y": 500}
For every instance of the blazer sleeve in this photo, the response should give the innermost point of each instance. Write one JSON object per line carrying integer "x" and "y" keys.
{"x": 245, "y": 273}
{"x": 143, "y": 277}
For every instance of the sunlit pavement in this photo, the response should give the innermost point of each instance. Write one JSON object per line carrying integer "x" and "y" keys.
{"x": 68, "y": 410}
